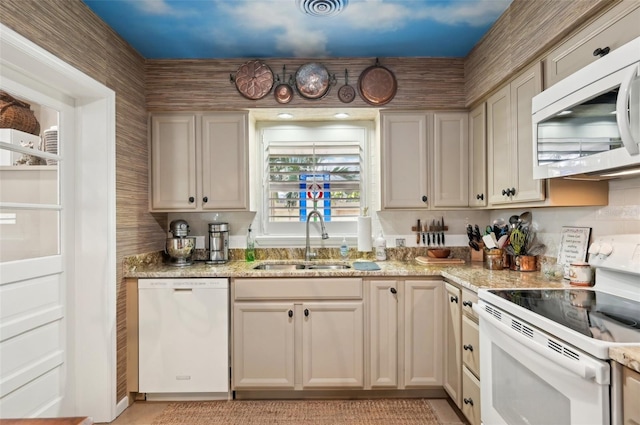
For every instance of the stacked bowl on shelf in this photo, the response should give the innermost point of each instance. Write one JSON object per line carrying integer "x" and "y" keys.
{"x": 51, "y": 143}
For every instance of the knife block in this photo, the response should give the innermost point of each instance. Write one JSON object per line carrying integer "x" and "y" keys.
{"x": 477, "y": 256}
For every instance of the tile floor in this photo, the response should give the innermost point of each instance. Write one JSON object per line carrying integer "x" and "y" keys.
{"x": 144, "y": 412}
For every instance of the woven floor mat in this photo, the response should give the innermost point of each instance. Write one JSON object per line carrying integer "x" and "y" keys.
{"x": 307, "y": 412}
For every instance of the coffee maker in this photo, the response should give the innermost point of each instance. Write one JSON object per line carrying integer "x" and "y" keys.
{"x": 218, "y": 243}
{"x": 180, "y": 247}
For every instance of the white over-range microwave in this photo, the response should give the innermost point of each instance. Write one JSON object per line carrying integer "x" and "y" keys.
{"x": 588, "y": 125}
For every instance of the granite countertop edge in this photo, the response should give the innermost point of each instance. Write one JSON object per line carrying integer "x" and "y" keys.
{"x": 472, "y": 276}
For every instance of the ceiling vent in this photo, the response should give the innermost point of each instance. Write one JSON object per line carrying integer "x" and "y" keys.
{"x": 322, "y": 7}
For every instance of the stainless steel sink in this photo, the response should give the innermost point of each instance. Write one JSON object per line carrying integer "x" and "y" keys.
{"x": 291, "y": 267}
{"x": 328, "y": 267}
{"x": 279, "y": 267}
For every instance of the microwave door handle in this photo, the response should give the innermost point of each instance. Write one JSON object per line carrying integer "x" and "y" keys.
{"x": 584, "y": 368}
{"x": 622, "y": 115}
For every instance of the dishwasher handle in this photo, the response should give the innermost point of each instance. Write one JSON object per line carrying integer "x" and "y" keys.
{"x": 585, "y": 367}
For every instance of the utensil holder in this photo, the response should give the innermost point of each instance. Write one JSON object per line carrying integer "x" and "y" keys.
{"x": 494, "y": 259}
{"x": 477, "y": 256}
{"x": 524, "y": 263}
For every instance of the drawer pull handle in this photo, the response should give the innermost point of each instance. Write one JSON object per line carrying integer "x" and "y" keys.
{"x": 468, "y": 347}
{"x": 601, "y": 51}
{"x": 290, "y": 313}
{"x": 480, "y": 197}
{"x": 393, "y": 290}
{"x": 467, "y": 303}
{"x": 306, "y": 312}
{"x": 468, "y": 401}
{"x": 454, "y": 299}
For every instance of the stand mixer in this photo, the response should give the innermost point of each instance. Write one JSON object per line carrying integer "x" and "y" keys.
{"x": 180, "y": 247}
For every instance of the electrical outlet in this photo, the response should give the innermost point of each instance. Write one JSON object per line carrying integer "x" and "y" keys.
{"x": 401, "y": 242}
{"x": 199, "y": 242}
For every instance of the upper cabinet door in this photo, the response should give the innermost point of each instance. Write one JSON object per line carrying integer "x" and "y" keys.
{"x": 614, "y": 28}
{"x": 451, "y": 159}
{"x": 173, "y": 162}
{"x": 404, "y": 160}
{"x": 225, "y": 171}
{"x": 478, "y": 157}
{"x": 499, "y": 145}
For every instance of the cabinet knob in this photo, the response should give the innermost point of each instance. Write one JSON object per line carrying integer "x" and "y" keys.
{"x": 306, "y": 312}
{"x": 393, "y": 290}
{"x": 290, "y": 313}
{"x": 513, "y": 191}
{"x": 468, "y": 347}
{"x": 467, "y": 303}
{"x": 509, "y": 192}
{"x": 424, "y": 198}
{"x": 192, "y": 199}
{"x": 468, "y": 401}
{"x": 454, "y": 299}
{"x": 205, "y": 199}
{"x": 601, "y": 51}
{"x": 480, "y": 196}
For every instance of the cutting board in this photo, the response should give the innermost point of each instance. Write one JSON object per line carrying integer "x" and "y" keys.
{"x": 426, "y": 261}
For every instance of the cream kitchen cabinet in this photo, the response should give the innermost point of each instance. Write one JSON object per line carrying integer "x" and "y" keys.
{"x": 405, "y": 334}
{"x": 383, "y": 333}
{"x": 416, "y": 153}
{"x": 510, "y": 141}
{"x": 609, "y": 31}
{"x": 297, "y": 334}
{"x": 199, "y": 162}
{"x": 478, "y": 156}
{"x": 452, "y": 343}
{"x": 451, "y": 159}
{"x": 630, "y": 397}
{"x": 422, "y": 333}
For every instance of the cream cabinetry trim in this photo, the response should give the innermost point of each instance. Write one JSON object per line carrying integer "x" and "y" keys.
{"x": 611, "y": 30}
{"x": 452, "y": 343}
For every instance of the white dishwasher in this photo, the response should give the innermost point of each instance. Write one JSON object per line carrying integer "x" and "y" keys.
{"x": 183, "y": 338}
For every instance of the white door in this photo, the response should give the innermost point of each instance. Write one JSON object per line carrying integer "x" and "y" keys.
{"x": 33, "y": 278}
{"x": 58, "y": 299}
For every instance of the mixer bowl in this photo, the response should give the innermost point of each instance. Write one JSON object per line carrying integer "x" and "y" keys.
{"x": 180, "y": 250}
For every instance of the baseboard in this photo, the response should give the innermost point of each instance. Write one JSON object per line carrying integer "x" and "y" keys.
{"x": 187, "y": 396}
{"x": 337, "y": 394}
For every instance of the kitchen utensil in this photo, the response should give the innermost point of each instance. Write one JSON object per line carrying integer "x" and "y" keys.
{"x": 438, "y": 253}
{"x": 536, "y": 249}
{"x": 489, "y": 241}
{"x": 377, "y": 85}
{"x": 513, "y": 221}
{"x": 180, "y": 247}
{"x": 418, "y": 227}
{"x": 442, "y": 236}
{"x": 283, "y": 91}
{"x": 346, "y": 93}
{"x": 518, "y": 239}
{"x": 253, "y": 79}
{"x": 524, "y": 219}
{"x": 218, "y": 243}
{"x": 477, "y": 233}
{"x": 313, "y": 80}
{"x": 503, "y": 241}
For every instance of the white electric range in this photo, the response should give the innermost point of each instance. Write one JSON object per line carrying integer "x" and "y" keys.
{"x": 545, "y": 352}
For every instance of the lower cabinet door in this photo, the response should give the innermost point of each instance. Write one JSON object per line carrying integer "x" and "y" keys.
{"x": 333, "y": 344}
{"x": 263, "y": 355}
{"x": 470, "y": 397}
{"x": 471, "y": 345}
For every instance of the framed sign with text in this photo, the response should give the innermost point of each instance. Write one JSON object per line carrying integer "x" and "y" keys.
{"x": 574, "y": 244}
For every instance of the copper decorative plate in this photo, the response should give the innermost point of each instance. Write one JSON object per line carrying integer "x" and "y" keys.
{"x": 254, "y": 79}
{"x": 377, "y": 85}
{"x": 312, "y": 80}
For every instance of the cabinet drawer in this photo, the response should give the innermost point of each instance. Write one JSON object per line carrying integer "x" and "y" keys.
{"x": 613, "y": 29}
{"x": 468, "y": 299}
{"x": 471, "y": 345}
{"x": 298, "y": 288}
{"x": 470, "y": 397}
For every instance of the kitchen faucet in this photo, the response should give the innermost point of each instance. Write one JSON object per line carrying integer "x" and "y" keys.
{"x": 308, "y": 255}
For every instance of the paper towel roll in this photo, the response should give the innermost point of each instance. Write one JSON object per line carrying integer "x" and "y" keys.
{"x": 364, "y": 234}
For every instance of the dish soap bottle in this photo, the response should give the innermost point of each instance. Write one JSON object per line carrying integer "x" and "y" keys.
{"x": 250, "y": 252}
{"x": 381, "y": 248}
{"x": 344, "y": 249}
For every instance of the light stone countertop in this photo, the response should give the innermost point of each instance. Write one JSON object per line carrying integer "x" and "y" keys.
{"x": 472, "y": 276}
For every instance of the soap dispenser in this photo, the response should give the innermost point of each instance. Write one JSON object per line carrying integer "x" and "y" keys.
{"x": 381, "y": 248}
{"x": 344, "y": 249}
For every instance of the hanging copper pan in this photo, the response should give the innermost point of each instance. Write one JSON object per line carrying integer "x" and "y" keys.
{"x": 283, "y": 91}
{"x": 346, "y": 93}
{"x": 254, "y": 79}
{"x": 377, "y": 85}
{"x": 313, "y": 80}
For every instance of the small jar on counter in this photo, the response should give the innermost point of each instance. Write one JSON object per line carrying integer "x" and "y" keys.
{"x": 494, "y": 259}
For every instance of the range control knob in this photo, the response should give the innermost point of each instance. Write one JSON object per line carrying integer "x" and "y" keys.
{"x": 606, "y": 249}
{"x": 594, "y": 248}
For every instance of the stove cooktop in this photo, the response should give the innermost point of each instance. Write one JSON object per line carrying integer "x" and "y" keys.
{"x": 597, "y": 315}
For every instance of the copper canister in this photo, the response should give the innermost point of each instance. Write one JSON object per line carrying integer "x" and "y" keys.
{"x": 494, "y": 259}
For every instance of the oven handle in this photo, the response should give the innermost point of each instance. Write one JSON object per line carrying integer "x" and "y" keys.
{"x": 582, "y": 367}
{"x": 622, "y": 117}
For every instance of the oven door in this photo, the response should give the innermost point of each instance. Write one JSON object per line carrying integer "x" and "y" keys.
{"x": 531, "y": 378}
